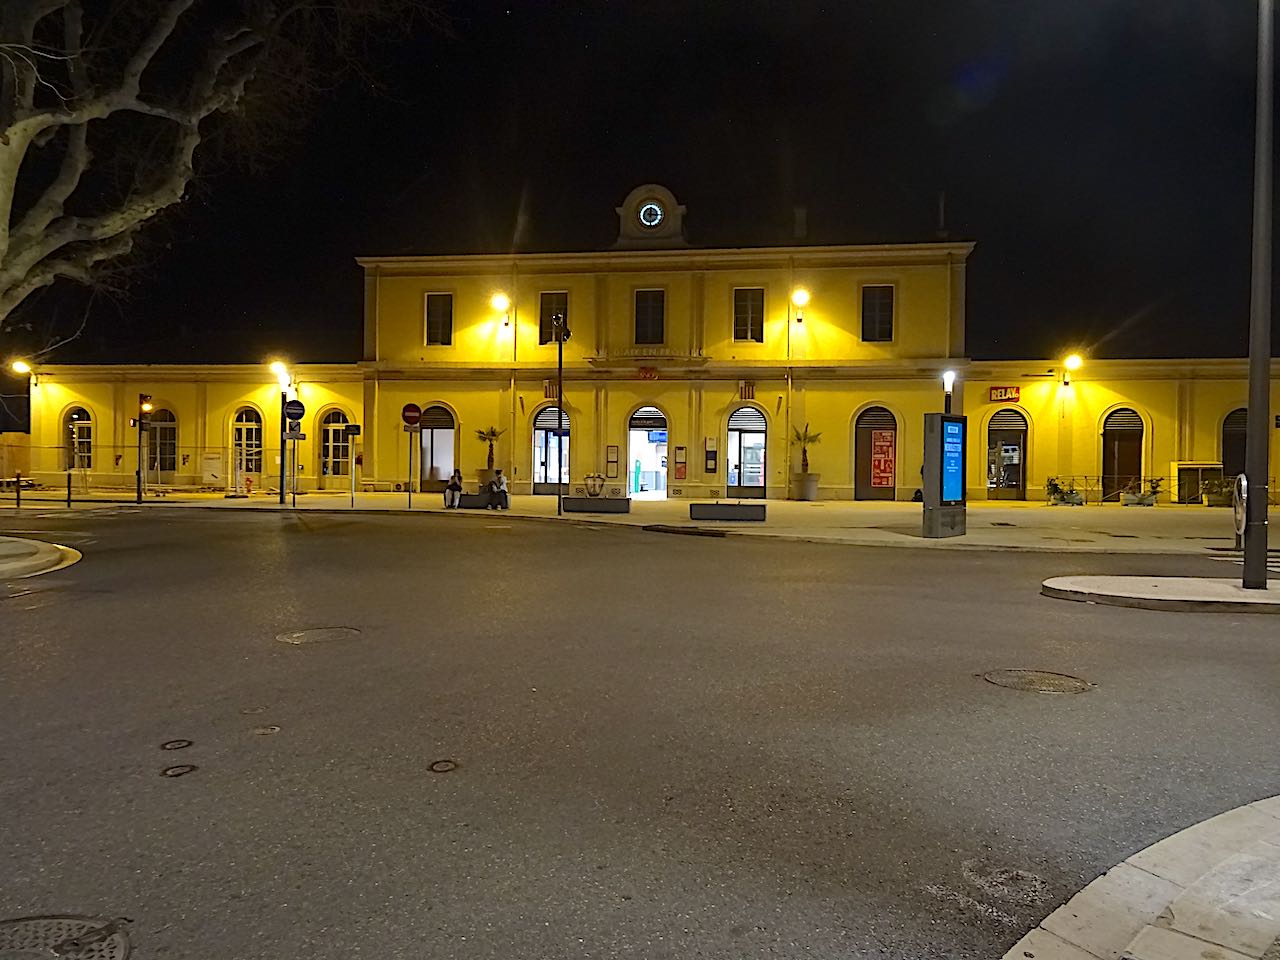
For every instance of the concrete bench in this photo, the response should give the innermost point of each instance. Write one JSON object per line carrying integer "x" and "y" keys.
{"x": 727, "y": 511}
{"x": 596, "y": 504}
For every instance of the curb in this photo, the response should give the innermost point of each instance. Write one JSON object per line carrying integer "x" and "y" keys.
{"x": 1195, "y": 893}
{"x": 48, "y": 557}
{"x": 1069, "y": 588}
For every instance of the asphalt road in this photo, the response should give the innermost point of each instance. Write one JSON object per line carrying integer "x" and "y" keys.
{"x": 666, "y": 746}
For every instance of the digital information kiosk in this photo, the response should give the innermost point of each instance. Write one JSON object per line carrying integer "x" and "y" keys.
{"x": 944, "y": 486}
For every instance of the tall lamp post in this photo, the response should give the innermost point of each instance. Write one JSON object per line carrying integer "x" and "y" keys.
{"x": 282, "y": 376}
{"x": 560, "y": 330}
{"x": 1257, "y": 456}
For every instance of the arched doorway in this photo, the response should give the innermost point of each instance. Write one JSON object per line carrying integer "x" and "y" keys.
{"x": 335, "y": 452}
{"x": 744, "y": 455}
{"x": 550, "y": 451}
{"x": 438, "y": 436}
{"x": 1007, "y": 456}
{"x": 246, "y": 447}
{"x": 1234, "y": 432}
{"x": 162, "y": 447}
{"x": 1121, "y": 453}
{"x": 875, "y": 455}
{"x": 647, "y": 454}
{"x": 78, "y": 437}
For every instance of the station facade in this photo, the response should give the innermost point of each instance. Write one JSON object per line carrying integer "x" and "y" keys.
{"x": 686, "y": 372}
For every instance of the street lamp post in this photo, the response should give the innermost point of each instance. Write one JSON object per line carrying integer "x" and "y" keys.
{"x": 948, "y": 382}
{"x": 282, "y": 377}
{"x": 1257, "y": 456}
{"x": 560, "y": 328}
{"x": 144, "y": 407}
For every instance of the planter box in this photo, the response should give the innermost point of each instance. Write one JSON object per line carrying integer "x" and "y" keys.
{"x": 1218, "y": 499}
{"x": 596, "y": 504}
{"x": 727, "y": 511}
{"x": 1067, "y": 500}
{"x": 805, "y": 485}
{"x": 1137, "y": 500}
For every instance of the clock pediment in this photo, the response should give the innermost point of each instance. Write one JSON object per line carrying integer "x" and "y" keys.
{"x": 650, "y": 218}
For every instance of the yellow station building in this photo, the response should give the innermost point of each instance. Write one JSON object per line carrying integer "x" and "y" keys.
{"x": 685, "y": 373}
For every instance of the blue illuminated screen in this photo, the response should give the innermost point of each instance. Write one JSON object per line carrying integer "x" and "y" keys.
{"x": 952, "y": 461}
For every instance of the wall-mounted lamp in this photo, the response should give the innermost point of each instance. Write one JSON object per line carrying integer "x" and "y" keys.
{"x": 501, "y": 303}
{"x": 281, "y": 372}
{"x": 800, "y": 298}
{"x": 22, "y": 368}
{"x": 948, "y": 382}
{"x": 1070, "y": 364}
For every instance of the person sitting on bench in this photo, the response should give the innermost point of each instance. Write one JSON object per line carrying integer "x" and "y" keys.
{"x": 453, "y": 491}
{"x": 498, "y": 499}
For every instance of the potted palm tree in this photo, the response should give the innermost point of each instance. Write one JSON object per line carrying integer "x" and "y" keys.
{"x": 489, "y": 435}
{"x": 806, "y": 483}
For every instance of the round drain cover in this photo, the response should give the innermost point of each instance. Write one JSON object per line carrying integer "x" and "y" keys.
{"x": 1038, "y": 681}
{"x": 320, "y": 635}
{"x": 442, "y": 766}
{"x": 81, "y": 938}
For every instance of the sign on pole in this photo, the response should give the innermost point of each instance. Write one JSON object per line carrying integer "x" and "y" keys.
{"x": 294, "y": 410}
{"x": 411, "y": 413}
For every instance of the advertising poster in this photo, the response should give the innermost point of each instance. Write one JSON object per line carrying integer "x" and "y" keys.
{"x": 882, "y": 458}
{"x": 952, "y": 461}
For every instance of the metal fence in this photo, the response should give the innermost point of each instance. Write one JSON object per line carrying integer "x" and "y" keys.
{"x": 1100, "y": 489}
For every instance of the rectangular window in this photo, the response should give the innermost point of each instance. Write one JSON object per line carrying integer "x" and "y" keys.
{"x": 748, "y": 314}
{"x": 650, "y": 307}
{"x": 877, "y": 313}
{"x": 552, "y": 303}
{"x": 439, "y": 319}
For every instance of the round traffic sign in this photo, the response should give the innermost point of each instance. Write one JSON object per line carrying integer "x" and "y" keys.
{"x": 411, "y": 414}
{"x": 294, "y": 410}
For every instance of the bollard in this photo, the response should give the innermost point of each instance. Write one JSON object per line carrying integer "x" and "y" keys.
{"x": 17, "y": 489}
{"x": 68, "y": 488}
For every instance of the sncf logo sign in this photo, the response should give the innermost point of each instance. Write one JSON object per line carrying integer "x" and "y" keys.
{"x": 1005, "y": 394}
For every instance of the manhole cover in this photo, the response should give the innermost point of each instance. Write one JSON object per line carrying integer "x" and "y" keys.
{"x": 267, "y": 730}
{"x": 175, "y": 744}
{"x": 320, "y": 635}
{"x": 82, "y": 938}
{"x": 1037, "y": 681}
{"x": 442, "y": 766}
{"x": 179, "y": 770}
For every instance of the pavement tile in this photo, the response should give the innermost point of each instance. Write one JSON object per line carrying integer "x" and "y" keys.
{"x": 1040, "y": 944}
{"x": 1191, "y": 853}
{"x": 1105, "y": 916}
{"x": 1156, "y": 943}
{"x": 1271, "y": 806}
{"x": 1236, "y": 905}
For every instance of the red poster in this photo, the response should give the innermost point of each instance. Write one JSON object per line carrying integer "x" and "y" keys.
{"x": 882, "y": 458}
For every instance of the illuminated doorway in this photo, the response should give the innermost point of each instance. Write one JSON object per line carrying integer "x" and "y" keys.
{"x": 647, "y": 454}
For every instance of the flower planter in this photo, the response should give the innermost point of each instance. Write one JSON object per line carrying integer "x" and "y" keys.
{"x": 1067, "y": 500}
{"x": 1137, "y": 500}
{"x": 805, "y": 485}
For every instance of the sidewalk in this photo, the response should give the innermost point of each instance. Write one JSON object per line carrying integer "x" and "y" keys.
{"x": 25, "y": 558}
{"x": 1004, "y": 525}
{"x": 1210, "y": 891}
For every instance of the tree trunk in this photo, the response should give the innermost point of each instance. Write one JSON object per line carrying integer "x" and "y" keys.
{"x": 804, "y": 459}
{"x": 490, "y": 454}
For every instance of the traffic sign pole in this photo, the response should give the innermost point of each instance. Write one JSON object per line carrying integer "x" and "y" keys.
{"x": 411, "y": 414}
{"x": 410, "y": 484}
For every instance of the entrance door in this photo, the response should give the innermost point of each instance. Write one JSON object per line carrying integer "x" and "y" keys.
{"x": 162, "y": 447}
{"x": 246, "y": 455}
{"x": 550, "y": 451}
{"x": 1121, "y": 453}
{"x": 335, "y": 452}
{"x": 437, "y": 449}
{"x": 875, "y": 455}
{"x": 647, "y": 454}
{"x": 1234, "y": 431}
{"x": 1007, "y": 456}
{"x": 744, "y": 455}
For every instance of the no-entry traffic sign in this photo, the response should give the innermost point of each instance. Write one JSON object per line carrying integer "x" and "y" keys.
{"x": 294, "y": 410}
{"x": 411, "y": 414}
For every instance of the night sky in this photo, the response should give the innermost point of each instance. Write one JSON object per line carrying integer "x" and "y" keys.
{"x": 1098, "y": 151}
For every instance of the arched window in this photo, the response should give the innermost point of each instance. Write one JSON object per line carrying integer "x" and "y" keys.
{"x": 875, "y": 455}
{"x": 437, "y": 444}
{"x": 1121, "y": 453}
{"x": 248, "y": 440}
{"x": 1234, "y": 431}
{"x": 550, "y": 450}
{"x": 335, "y": 446}
{"x": 744, "y": 455}
{"x": 78, "y": 437}
{"x": 162, "y": 442}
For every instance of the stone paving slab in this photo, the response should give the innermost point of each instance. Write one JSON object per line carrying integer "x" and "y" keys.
{"x": 1188, "y": 594}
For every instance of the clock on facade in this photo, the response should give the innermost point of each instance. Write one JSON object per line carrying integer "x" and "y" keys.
{"x": 651, "y": 213}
